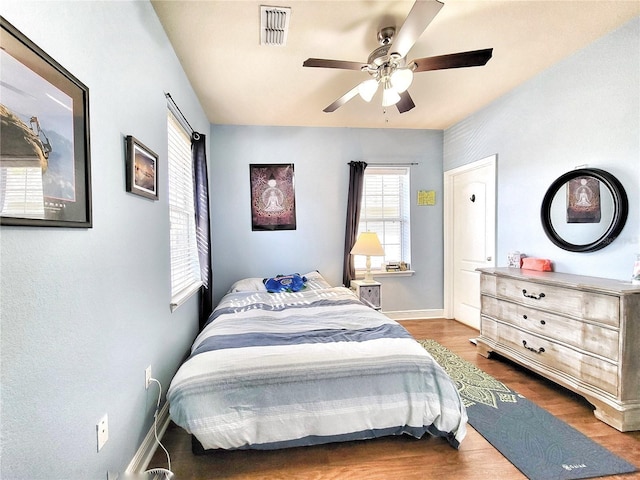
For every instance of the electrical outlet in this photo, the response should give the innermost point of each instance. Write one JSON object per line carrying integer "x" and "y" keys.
{"x": 102, "y": 429}
{"x": 147, "y": 377}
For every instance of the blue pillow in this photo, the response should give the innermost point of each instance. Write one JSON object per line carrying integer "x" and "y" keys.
{"x": 285, "y": 283}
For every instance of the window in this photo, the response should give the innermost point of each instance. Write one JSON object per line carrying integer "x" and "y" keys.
{"x": 185, "y": 266}
{"x": 386, "y": 211}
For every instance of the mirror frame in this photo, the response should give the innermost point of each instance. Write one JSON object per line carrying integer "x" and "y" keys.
{"x": 620, "y": 210}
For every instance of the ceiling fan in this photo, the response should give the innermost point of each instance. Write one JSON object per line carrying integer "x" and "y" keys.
{"x": 388, "y": 66}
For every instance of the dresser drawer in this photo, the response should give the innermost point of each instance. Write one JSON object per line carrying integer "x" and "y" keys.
{"x": 590, "y": 370}
{"x": 586, "y": 336}
{"x": 596, "y": 307}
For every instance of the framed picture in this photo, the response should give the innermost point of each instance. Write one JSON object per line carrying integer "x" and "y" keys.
{"x": 583, "y": 200}
{"x": 273, "y": 202}
{"x": 142, "y": 169}
{"x": 45, "y": 168}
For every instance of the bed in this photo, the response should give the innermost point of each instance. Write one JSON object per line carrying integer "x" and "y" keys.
{"x": 296, "y": 368}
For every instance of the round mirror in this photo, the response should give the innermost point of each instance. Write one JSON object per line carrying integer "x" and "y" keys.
{"x": 584, "y": 210}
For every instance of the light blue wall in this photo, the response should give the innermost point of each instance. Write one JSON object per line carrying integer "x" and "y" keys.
{"x": 320, "y": 157}
{"x": 583, "y": 110}
{"x": 84, "y": 311}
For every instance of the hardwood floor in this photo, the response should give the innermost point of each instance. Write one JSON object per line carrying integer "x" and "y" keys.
{"x": 400, "y": 457}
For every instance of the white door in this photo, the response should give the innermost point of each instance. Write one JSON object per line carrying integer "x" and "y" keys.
{"x": 470, "y": 211}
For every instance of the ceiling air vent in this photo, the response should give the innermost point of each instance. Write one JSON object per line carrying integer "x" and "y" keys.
{"x": 274, "y": 25}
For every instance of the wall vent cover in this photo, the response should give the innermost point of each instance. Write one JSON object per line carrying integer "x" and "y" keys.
{"x": 274, "y": 25}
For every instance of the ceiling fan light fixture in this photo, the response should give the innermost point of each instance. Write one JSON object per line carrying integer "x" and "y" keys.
{"x": 401, "y": 79}
{"x": 389, "y": 95}
{"x": 388, "y": 66}
{"x": 368, "y": 89}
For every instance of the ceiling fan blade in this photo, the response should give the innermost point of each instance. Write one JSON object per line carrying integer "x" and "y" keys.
{"x": 474, "y": 58}
{"x": 406, "y": 102}
{"x": 323, "y": 63}
{"x": 420, "y": 16}
{"x": 342, "y": 100}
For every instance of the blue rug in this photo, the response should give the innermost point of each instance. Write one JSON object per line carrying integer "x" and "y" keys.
{"x": 540, "y": 445}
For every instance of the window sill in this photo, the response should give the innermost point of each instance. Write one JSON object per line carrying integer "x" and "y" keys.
{"x": 184, "y": 295}
{"x": 382, "y": 273}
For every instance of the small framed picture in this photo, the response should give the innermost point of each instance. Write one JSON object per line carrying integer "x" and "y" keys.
{"x": 142, "y": 169}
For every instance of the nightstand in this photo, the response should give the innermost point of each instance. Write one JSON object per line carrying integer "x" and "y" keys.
{"x": 367, "y": 292}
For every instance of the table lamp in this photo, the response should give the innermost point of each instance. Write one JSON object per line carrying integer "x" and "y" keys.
{"x": 369, "y": 245}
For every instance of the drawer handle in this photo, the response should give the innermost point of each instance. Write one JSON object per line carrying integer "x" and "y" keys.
{"x": 535, "y": 350}
{"x": 532, "y": 295}
{"x": 542, "y": 322}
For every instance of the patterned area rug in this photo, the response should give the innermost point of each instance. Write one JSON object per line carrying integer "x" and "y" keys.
{"x": 540, "y": 445}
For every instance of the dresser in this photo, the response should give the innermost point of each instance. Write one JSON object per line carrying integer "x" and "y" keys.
{"x": 580, "y": 332}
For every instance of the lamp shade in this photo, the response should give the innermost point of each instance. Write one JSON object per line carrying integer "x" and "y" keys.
{"x": 367, "y": 89}
{"x": 368, "y": 244}
{"x": 401, "y": 79}
{"x": 389, "y": 95}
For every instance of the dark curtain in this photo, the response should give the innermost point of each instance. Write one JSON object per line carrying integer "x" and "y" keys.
{"x": 356, "y": 184}
{"x": 201, "y": 194}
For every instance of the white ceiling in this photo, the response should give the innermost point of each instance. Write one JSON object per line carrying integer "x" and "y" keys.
{"x": 240, "y": 82}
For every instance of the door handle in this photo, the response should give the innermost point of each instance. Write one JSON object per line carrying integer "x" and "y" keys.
{"x": 489, "y": 259}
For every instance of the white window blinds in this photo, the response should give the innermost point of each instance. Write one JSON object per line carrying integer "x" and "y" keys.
{"x": 386, "y": 211}
{"x": 23, "y": 195}
{"x": 185, "y": 267}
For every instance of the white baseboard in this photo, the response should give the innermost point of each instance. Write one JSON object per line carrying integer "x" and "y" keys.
{"x": 147, "y": 448}
{"x": 415, "y": 314}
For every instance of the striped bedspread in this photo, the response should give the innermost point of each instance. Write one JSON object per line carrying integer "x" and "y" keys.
{"x": 290, "y": 369}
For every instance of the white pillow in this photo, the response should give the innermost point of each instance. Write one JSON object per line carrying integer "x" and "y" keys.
{"x": 316, "y": 281}
{"x": 254, "y": 284}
